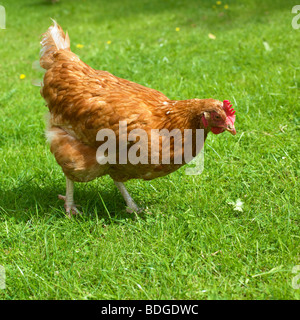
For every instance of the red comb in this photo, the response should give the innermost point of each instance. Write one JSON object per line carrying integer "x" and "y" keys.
{"x": 227, "y": 106}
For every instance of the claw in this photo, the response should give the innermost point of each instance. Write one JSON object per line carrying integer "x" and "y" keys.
{"x": 134, "y": 210}
{"x": 70, "y": 208}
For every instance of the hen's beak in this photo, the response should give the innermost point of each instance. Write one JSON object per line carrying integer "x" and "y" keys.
{"x": 231, "y": 129}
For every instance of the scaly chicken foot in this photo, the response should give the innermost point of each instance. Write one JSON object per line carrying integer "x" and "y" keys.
{"x": 131, "y": 205}
{"x": 70, "y": 206}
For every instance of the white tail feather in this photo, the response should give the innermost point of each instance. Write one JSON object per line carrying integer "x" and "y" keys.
{"x": 53, "y": 40}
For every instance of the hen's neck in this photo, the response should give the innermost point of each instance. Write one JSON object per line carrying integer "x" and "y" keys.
{"x": 183, "y": 114}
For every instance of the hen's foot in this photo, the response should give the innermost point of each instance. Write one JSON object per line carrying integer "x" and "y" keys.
{"x": 134, "y": 209}
{"x": 70, "y": 208}
{"x": 131, "y": 205}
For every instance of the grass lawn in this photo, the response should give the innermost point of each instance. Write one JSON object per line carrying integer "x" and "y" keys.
{"x": 194, "y": 245}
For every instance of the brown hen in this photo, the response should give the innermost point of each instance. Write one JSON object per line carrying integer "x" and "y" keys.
{"x": 83, "y": 101}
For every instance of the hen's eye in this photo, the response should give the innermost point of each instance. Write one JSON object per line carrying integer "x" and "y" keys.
{"x": 217, "y": 117}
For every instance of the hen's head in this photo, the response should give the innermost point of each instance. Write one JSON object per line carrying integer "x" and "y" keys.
{"x": 218, "y": 116}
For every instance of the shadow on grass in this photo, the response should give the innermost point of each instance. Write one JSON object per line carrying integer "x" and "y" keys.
{"x": 21, "y": 203}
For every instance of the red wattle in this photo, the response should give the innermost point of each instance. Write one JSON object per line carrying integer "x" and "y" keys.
{"x": 217, "y": 130}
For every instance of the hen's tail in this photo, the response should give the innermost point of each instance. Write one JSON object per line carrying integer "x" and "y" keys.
{"x": 54, "y": 39}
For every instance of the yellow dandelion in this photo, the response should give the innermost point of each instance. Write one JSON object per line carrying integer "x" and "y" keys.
{"x": 226, "y": 6}
{"x": 177, "y": 29}
{"x": 212, "y": 36}
{"x": 79, "y": 46}
{"x": 108, "y": 42}
{"x": 22, "y": 76}
{"x": 219, "y": 3}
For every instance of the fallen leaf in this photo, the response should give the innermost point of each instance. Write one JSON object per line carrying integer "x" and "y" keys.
{"x": 238, "y": 205}
{"x": 267, "y": 46}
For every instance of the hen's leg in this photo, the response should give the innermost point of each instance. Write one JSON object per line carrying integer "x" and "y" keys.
{"x": 132, "y": 207}
{"x": 68, "y": 198}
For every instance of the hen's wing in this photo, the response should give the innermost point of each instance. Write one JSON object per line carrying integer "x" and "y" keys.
{"x": 82, "y": 100}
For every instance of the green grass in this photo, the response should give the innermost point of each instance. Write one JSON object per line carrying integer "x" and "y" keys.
{"x": 194, "y": 245}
